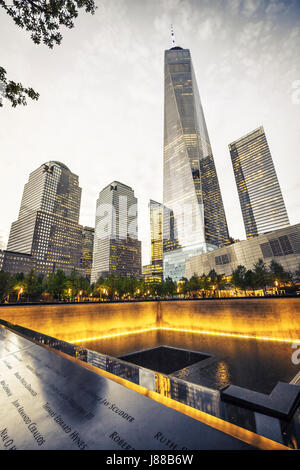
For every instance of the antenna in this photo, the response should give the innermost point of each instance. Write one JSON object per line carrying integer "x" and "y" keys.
{"x": 173, "y": 36}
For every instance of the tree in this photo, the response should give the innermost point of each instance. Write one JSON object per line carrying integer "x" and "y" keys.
{"x": 184, "y": 286}
{"x": 204, "y": 282}
{"x": 170, "y": 286}
{"x": 217, "y": 281}
{"x": 238, "y": 278}
{"x": 15, "y": 92}
{"x": 33, "y": 285}
{"x": 98, "y": 287}
{"x": 18, "y": 277}
{"x": 5, "y": 281}
{"x": 250, "y": 280}
{"x": 84, "y": 286}
{"x": 277, "y": 273}
{"x": 194, "y": 284}
{"x": 73, "y": 283}
{"x": 297, "y": 274}
{"x": 43, "y": 19}
{"x": 17, "y": 285}
{"x": 141, "y": 288}
{"x": 58, "y": 284}
{"x": 261, "y": 274}
{"x": 110, "y": 285}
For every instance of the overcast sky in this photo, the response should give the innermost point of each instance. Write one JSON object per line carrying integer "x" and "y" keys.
{"x": 101, "y": 97}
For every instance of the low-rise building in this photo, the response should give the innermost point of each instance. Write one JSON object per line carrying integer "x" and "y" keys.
{"x": 14, "y": 262}
{"x": 282, "y": 246}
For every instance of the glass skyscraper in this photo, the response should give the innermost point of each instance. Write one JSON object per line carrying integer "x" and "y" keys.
{"x": 154, "y": 271}
{"x": 259, "y": 192}
{"x": 86, "y": 260}
{"x": 194, "y": 216}
{"x": 156, "y": 227}
{"x": 47, "y": 227}
{"x": 117, "y": 249}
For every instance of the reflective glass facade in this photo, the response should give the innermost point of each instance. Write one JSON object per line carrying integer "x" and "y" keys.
{"x": 260, "y": 195}
{"x": 117, "y": 249}
{"x": 154, "y": 271}
{"x": 176, "y": 261}
{"x": 194, "y": 213}
{"x": 87, "y": 250}
{"x": 47, "y": 227}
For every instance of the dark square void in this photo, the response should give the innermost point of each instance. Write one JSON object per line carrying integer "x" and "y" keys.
{"x": 165, "y": 359}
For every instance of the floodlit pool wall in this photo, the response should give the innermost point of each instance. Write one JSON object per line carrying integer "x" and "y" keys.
{"x": 261, "y": 317}
{"x": 274, "y": 318}
{"x": 76, "y": 321}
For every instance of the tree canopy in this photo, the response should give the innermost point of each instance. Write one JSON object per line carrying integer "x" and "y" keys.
{"x": 34, "y": 287}
{"x": 43, "y": 19}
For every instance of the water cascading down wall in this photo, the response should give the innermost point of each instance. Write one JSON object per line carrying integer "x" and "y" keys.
{"x": 276, "y": 319}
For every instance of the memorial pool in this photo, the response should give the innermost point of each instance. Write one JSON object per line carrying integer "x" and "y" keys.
{"x": 249, "y": 344}
{"x": 250, "y": 363}
{"x": 241, "y": 357}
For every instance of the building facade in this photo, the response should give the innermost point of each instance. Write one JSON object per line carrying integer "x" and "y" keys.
{"x": 282, "y": 246}
{"x": 154, "y": 271}
{"x": 47, "y": 227}
{"x": 15, "y": 262}
{"x": 261, "y": 200}
{"x": 87, "y": 246}
{"x": 194, "y": 217}
{"x": 117, "y": 249}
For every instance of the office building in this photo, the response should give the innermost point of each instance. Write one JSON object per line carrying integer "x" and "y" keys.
{"x": 261, "y": 200}
{"x": 86, "y": 260}
{"x": 117, "y": 250}
{"x": 194, "y": 217}
{"x": 154, "y": 271}
{"x": 14, "y": 262}
{"x": 47, "y": 227}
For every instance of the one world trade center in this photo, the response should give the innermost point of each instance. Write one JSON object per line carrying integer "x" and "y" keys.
{"x": 194, "y": 217}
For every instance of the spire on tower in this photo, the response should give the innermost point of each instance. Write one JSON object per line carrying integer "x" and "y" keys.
{"x": 173, "y": 36}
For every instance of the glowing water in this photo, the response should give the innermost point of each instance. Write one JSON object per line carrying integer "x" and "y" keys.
{"x": 249, "y": 363}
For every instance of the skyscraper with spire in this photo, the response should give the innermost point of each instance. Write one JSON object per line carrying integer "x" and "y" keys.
{"x": 194, "y": 216}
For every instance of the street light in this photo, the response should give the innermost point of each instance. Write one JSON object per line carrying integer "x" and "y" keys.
{"x": 19, "y": 293}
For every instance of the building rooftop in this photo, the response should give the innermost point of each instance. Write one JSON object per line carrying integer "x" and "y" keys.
{"x": 62, "y": 165}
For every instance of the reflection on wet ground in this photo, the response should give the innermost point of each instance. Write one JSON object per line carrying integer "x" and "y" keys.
{"x": 257, "y": 365}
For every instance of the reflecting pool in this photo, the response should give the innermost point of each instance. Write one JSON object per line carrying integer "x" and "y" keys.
{"x": 254, "y": 364}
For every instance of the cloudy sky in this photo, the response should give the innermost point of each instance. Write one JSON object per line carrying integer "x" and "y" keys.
{"x": 101, "y": 97}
